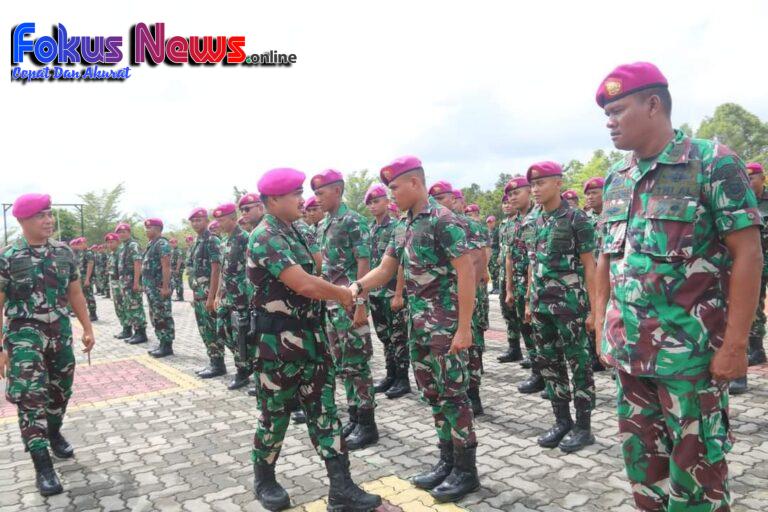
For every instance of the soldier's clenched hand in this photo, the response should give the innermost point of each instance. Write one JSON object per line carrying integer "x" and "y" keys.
{"x": 3, "y": 363}
{"x": 347, "y": 298}
{"x": 88, "y": 342}
{"x": 462, "y": 340}
{"x": 728, "y": 363}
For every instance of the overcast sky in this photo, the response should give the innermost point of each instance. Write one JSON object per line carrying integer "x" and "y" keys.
{"x": 473, "y": 88}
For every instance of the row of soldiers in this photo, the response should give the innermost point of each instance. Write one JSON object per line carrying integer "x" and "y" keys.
{"x": 657, "y": 281}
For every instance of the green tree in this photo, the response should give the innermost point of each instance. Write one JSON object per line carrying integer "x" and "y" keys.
{"x": 576, "y": 173}
{"x": 67, "y": 224}
{"x": 101, "y": 212}
{"x": 238, "y": 192}
{"x": 356, "y": 185}
{"x": 739, "y": 129}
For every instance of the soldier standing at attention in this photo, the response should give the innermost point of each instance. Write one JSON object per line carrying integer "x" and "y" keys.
{"x": 593, "y": 192}
{"x": 39, "y": 280}
{"x": 493, "y": 264}
{"x": 129, "y": 271}
{"x": 234, "y": 294}
{"x": 346, "y": 252}
{"x": 678, "y": 284}
{"x": 87, "y": 263}
{"x": 513, "y": 323}
{"x": 396, "y": 382}
{"x": 439, "y": 279}
{"x": 252, "y": 209}
{"x": 562, "y": 240}
{"x": 113, "y": 242}
{"x": 177, "y": 270}
{"x": 98, "y": 268}
{"x": 291, "y": 353}
{"x": 204, "y": 272}
{"x": 156, "y": 279}
{"x": 572, "y": 197}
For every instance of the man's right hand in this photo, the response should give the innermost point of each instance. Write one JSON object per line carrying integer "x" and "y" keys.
{"x": 136, "y": 288}
{"x": 397, "y": 303}
{"x": 509, "y": 300}
{"x": 3, "y": 363}
{"x": 527, "y": 318}
{"x": 347, "y": 299}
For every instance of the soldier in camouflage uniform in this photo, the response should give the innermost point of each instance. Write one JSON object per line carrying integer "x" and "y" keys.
{"x": 203, "y": 270}
{"x": 156, "y": 279}
{"x": 562, "y": 239}
{"x": 177, "y": 270}
{"x": 129, "y": 272}
{"x": 39, "y": 278}
{"x": 313, "y": 214}
{"x": 87, "y": 264}
{"x": 678, "y": 285}
{"x": 113, "y": 256}
{"x": 755, "y": 350}
{"x": 346, "y": 253}
{"x": 493, "y": 263}
{"x": 593, "y": 192}
{"x": 572, "y": 197}
{"x": 453, "y": 199}
{"x": 513, "y": 324}
{"x": 386, "y": 321}
{"x": 251, "y": 209}
{"x": 439, "y": 278}
{"x": 293, "y": 363}
{"x": 99, "y": 269}
{"x": 516, "y": 271}
{"x": 234, "y": 293}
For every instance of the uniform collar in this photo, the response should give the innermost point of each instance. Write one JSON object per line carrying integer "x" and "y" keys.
{"x": 559, "y": 211}
{"x": 675, "y": 153}
{"x": 343, "y": 208}
{"x": 430, "y": 206}
{"x": 275, "y": 223}
{"x": 384, "y": 223}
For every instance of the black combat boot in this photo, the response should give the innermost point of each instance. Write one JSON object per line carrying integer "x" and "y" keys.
{"x": 738, "y": 386}
{"x": 240, "y": 379}
{"x": 217, "y": 368}
{"x": 45, "y": 477}
{"x": 298, "y": 416}
{"x": 386, "y": 383}
{"x": 366, "y": 433}
{"x": 270, "y": 494}
{"x": 474, "y": 399}
{"x": 139, "y": 336}
{"x": 352, "y": 425}
{"x": 402, "y": 384}
{"x": 463, "y": 478}
{"x": 107, "y": 294}
{"x": 532, "y": 384}
{"x": 60, "y": 446}
{"x": 526, "y": 363}
{"x": 126, "y": 333}
{"x": 756, "y": 351}
{"x": 344, "y": 495}
{"x": 563, "y": 424}
{"x": 581, "y": 433}
{"x": 512, "y": 354}
{"x": 435, "y": 476}
{"x": 164, "y": 350}
{"x": 544, "y": 395}
{"x": 253, "y": 391}
{"x": 93, "y": 316}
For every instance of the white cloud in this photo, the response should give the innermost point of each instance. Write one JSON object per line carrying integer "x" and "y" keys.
{"x": 474, "y": 89}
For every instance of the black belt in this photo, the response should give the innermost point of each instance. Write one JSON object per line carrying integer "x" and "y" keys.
{"x": 262, "y": 322}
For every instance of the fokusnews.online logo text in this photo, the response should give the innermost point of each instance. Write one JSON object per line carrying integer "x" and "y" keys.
{"x": 54, "y": 57}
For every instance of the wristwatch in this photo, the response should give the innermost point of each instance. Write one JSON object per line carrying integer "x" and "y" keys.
{"x": 360, "y": 301}
{"x": 359, "y": 287}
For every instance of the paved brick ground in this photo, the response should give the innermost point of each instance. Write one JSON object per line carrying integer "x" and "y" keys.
{"x": 149, "y": 435}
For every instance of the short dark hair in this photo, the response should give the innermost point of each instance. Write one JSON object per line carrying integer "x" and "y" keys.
{"x": 664, "y": 97}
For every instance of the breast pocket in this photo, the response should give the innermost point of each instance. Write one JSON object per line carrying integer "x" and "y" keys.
{"x": 21, "y": 285}
{"x": 669, "y": 228}
{"x": 561, "y": 238}
{"x": 420, "y": 249}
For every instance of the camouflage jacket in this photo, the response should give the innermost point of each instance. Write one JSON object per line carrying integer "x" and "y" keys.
{"x": 556, "y": 241}
{"x": 112, "y": 263}
{"x": 151, "y": 265}
{"x": 664, "y": 224}
{"x": 344, "y": 240}
{"x": 235, "y": 287}
{"x": 425, "y": 245}
{"x": 505, "y": 240}
{"x": 762, "y": 204}
{"x": 176, "y": 255}
{"x": 205, "y": 252}
{"x": 381, "y": 234}
{"x": 274, "y": 246}
{"x": 309, "y": 233}
{"x": 129, "y": 253}
{"x": 99, "y": 262}
{"x": 35, "y": 280}
{"x": 520, "y": 235}
{"x": 83, "y": 258}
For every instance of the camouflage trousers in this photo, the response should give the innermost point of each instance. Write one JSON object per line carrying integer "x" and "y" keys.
{"x": 90, "y": 299}
{"x": 227, "y": 331}
{"x": 133, "y": 308}
{"x": 280, "y": 385}
{"x": 559, "y": 340}
{"x": 493, "y": 268}
{"x": 758, "y": 325}
{"x": 206, "y": 324}
{"x": 479, "y": 326}
{"x": 161, "y": 316}
{"x": 177, "y": 283}
{"x": 443, "y": 380}
{"x": 526, "y": 330}
{"x": 391, "y": 329}
{"x": 117, "y": 300}
{"x": 675, "y": 434}
{"x": 100, "y": 280}
{"x": 42, "y": 368}
{"x": 351, "y": 350}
